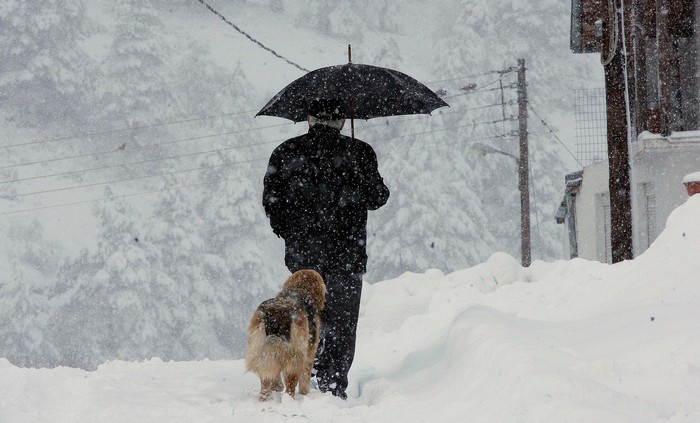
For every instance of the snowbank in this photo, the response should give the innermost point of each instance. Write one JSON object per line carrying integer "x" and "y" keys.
{"x": 573, "y": 341}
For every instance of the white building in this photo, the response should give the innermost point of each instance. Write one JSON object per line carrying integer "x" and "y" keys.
{"x": 658, "y": 166}
{"x": 658, "y": 43}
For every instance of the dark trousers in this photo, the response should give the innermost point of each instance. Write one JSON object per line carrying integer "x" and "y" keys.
{"x": 338, "y": 329}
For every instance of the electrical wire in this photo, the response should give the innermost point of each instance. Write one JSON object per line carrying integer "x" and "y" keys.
{"x": 135, "y": 178}
{"x": 481, "y": 91}
{"x": 264, "y": 47}
{"x": 473, "y": 124}
{"x": 534, "y": 208}
{"x": 476, "y": 75}
{"x": 151, "y": 146}
{"x": 99, "y": 200}
{"x": 141, "y": 177}
{"x": 198, "y": 184}
{"x": 115, "y": 131}
{"x": 160, "y": 159}
{"x": 551, "y": 131}
{"x": 194, "y": 119}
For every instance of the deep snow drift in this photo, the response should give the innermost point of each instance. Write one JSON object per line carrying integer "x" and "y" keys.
{"x": 573, "y": 341}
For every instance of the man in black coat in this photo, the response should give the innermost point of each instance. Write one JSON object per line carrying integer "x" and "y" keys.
{"x": 317, "y": 191}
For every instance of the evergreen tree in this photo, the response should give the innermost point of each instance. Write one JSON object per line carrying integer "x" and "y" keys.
{"x": 45, "y": 75}
{"x": 176, "y": 227}
{"x": 178, "y": 274}
{"x": 117, "y": 302}
{"x": 24, "y": 301}
{"x": 235, "y": 225}
{"x": 434, "y": 217}
{"x": 134, "y": 91}
{"x": 492, "y": 37}
{"x": 349, "y": 19}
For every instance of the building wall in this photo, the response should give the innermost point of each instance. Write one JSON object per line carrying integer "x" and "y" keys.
{"x": 659, "y": 165}
{"x": 590, "y": 203}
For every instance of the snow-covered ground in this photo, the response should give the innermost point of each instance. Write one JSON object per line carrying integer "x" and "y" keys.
{"x": 570, "y": 341}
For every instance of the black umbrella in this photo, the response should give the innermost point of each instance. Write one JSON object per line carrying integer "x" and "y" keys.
{"x": 367, "y": 92}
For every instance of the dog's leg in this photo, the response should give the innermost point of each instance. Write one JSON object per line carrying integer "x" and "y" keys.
{"x": 277, "y": 384}
{"x": 304, "y": 384}
{"x": 265, "y": 388}
{"x": 290, "y": 381}
{"x": 305, "y": 379}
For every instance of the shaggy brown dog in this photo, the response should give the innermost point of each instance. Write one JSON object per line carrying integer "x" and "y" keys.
{"x": 283, "y": 335}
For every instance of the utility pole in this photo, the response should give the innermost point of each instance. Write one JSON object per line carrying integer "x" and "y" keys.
{"x": 665, "y": 47}
{"x": 524, "y": 167}
{"x": 618, "y": 150}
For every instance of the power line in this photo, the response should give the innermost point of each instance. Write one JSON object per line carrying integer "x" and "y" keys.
{"x": 494, "y": 137}
{"x": 546, "y": 125}
{"x": 220, "y": 180}
{"x": 476, "y": 75}
{"x": 127, "y": 179}
{"x": 197, "y": 153}
{"x": 94, "y": 184}
{"x": 150, "y": 146}
{"x": 194, "y": 119}
{"x": 472, "y": 124}
{"x": 484, "y": 90}
{"x": 114, "y": 131}
{"x": 75, "y": 203}
{"x": 74, "y": 172}
{"x": 112, "y": 151}
{"x": 537, "y": 216}
{"x": 441, "y": 114}
{"x": 274, "y": 53}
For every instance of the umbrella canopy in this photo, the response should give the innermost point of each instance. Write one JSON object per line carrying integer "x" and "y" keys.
{"x": 367, "y": 92}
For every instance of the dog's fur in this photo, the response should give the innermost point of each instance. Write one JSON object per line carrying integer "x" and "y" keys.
{"x": 283, "y": 335}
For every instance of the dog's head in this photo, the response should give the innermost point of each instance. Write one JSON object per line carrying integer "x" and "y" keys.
{"x": 309, "y": 285}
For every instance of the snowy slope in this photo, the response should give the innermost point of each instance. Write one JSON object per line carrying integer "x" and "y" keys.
{"x": 572, "y": 341}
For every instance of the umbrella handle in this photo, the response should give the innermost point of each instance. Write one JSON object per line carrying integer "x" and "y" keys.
{"x": 352, "y": 100}
{"x": 352, "y": 117}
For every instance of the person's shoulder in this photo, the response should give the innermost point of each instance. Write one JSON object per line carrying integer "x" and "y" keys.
{"x": 357, "y": 143}
{"x": 290, "y": 144}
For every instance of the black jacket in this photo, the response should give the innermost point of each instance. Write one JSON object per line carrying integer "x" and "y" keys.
{"x": 317, "y": 190}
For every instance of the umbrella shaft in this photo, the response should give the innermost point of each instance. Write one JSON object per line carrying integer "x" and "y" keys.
{"x": 352, "y": 115}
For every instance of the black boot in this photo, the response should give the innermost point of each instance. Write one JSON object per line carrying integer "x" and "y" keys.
{"x": 340, "y": 393}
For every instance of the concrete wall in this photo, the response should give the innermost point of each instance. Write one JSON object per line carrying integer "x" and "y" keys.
{"x": 659, "y": 165}
{"x": 591, "y": 227}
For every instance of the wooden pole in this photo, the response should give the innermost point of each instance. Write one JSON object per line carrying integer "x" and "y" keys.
{"x": 524, "y": 168}
{"x": 636, "y": 61}
{"x": 618, "y": 152}
{"x": 665, "y": 49}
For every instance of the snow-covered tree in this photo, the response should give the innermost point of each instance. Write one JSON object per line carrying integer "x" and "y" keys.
{"x": 348, "y": 18}
{"x": 233, "y": 229}
{"x": 134, "y": 91}
{"x": 492, "y": 37}
{"x": 176, "y": 227}
{"x": 118, "y": 302}
{"x": 176, "y": 273}
{"x": 45, "y": 75}
{"x": 24, "y": 301}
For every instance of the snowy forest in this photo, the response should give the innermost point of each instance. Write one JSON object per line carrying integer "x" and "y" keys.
{"x": 132, "y": 163}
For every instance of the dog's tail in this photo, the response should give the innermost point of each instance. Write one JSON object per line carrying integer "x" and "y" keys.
{"x": 277, "y": 338}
